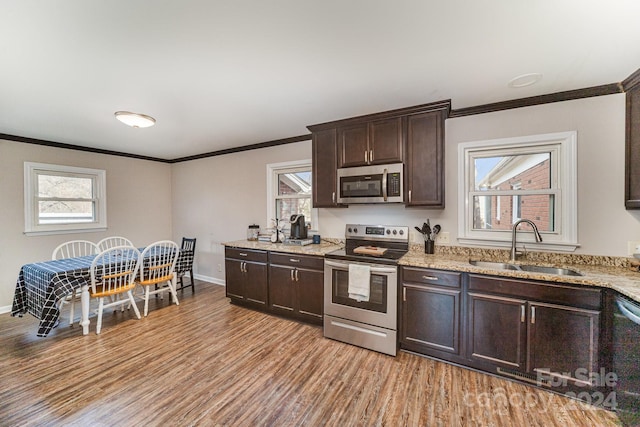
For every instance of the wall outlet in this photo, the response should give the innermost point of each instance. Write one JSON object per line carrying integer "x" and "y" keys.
{"x": 219, "y": 267}
{"x": 442, "y": 238}
{"x": 631, "y": 247}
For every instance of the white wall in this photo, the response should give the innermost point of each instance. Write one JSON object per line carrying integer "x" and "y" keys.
{"x": 138, "y": 205}
{"x": 216, "y": 198}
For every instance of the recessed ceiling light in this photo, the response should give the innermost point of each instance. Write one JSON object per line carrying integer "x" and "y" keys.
{"x": 135, "y": 120}
{"x": 525, "y": 80}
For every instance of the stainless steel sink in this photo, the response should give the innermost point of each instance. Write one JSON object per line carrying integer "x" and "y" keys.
{"x": 550, "y": 270}
{"x": 494, "y": 265}
{"x": 525, "y": 267}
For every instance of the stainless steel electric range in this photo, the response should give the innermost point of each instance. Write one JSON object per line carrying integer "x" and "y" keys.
{"x": 361, "y": 286}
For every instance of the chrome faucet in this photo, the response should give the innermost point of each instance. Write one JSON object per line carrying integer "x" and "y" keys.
{"x": 536, "y": 233}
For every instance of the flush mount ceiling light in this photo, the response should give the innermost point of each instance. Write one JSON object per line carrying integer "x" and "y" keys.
{"x": 524, "y": 80}
{"x": 135, "y": 120}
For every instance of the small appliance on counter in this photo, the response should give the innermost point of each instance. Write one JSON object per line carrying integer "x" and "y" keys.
{"x": 253, "y": 231}
{"x": 298, "y": 227}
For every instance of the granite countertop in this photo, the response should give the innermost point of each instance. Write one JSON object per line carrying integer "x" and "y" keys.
{"x": 617, "y": 273}
{"x": 624, "y": 279}
{"x": 312, "y": 249}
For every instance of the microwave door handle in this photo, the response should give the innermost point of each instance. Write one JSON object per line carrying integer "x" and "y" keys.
{"x": 384, "y": 185}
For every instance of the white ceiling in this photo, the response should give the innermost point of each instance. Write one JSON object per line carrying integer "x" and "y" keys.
{"x": 220, "y": 74}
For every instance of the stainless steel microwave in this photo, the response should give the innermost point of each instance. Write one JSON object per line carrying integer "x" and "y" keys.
{"x": 371, "y": 184}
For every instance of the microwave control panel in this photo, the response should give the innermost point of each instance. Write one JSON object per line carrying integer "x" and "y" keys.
{"x": 393, "y": 184}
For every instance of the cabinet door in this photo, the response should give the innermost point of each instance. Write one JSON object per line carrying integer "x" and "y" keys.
{"x": 632, "y": 152}
{"x": 424, "y": 182}
{"x": 234, "y": 278}
{"x": 325, "y": 162}
{"x": 385, "y": 141}
{"x": 255, "y": 284}
{"x": 353, "y": 145}
{"x": 282, "y": 289}
{"x": 310, "y": 284}
{"x": 497, "y": 330}
{"x": 430, "y": 318}
{"x": 563, "y": 340}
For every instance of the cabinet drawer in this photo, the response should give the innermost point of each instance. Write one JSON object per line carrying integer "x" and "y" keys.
{"x": 547, "y": 292}
{"x": 246, "y": 254}
{"x": 295, "y": 260}
{"x": 431, "y": 277}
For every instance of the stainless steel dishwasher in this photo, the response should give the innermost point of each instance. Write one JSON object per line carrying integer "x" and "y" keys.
{"x": 626, "y": 359}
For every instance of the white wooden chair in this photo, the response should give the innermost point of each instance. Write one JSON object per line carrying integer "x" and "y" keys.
{"x": 157, "y": 267}
{"x": 110, "y": 242}
{"x": 73, "y": 249}
{"x": 113, "y": 273}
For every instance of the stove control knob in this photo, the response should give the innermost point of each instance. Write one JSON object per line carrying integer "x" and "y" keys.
{"x": 395, "y": 232}
{"x": 349, "y": 229}
{"x": 401, "y": 232}
{"x": 388, "y": 231}
{"x": 355, "y": 231}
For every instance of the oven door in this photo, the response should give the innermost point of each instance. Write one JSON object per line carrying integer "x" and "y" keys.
{"x": 380, "y": 310}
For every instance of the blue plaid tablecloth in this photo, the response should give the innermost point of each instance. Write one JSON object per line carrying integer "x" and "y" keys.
{"x": 41, "y": 285}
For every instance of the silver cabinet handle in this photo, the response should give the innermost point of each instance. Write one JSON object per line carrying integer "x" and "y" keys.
{"x": 297, "y": 279}
{"x": 533, "y": 315}
{"x": 242, "y": 254}
{"x": 294, "y": 260}
{"x": 404, "y": 294}
{"x": 409, "y": 196}
{"x": 371, "y": 155}
{"x": 522, "y": 313}
{"x": 366, "y": 156}
{"x": 292, "y": 275}
{"x": 429, "y": 277}
{"x": 333, "y": 197}
{"x": 384, "y": 185}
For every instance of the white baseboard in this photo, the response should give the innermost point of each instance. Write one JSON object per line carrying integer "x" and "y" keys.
{"x": 209, "y": 279}
{"x": 5, "y": 309}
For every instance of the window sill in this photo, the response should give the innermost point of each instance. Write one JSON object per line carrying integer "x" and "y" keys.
{"x": 544, "y": 246}
{"x": 70, "y": 231}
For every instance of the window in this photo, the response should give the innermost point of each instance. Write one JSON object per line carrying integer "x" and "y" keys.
{"x": 505, "y": 180}
{"x": 289, "y": 192}
{"x": 63, "y": 199}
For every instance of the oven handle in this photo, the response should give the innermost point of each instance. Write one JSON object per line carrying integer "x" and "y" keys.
{"x": 372, "y": 269}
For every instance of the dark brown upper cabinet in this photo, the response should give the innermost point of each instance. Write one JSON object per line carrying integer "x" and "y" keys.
{"x": 370, "y": 143}
{"x": 424, "y": 165}
{"x": 324, "y": 164}
{"x": 413, "y": 136}
{"x": 632, "y": 148}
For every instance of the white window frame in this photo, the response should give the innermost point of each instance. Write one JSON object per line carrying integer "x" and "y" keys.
{"x": 273, "y": 169}
{"x": 564, "y": 186}
{"x": 31, "y": 172}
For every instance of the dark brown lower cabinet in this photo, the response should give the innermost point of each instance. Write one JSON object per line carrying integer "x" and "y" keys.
{"x": 431, "y": 312}
{"x": 286, "y": 284}
{"x": 246, "y": 276}
{"x": 296, "y": 286}
{"x": 563, "y": 340}
{"x": 544, "y": 333}
{"x": 497, "y": 330}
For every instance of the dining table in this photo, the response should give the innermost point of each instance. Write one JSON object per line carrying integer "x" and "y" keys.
{"x": 41, "y": 286}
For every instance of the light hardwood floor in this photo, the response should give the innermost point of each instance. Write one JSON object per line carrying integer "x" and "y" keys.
{"x": 208, "y": 362}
